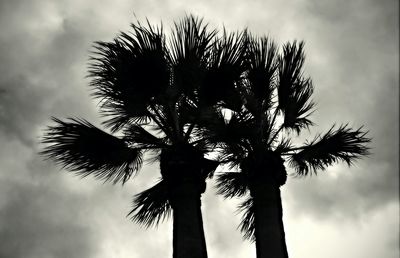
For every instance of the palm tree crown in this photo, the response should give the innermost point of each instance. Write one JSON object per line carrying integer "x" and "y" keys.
{"x": 154, "y": 93}
{"x": 276, "y": 102}
{"x": 168, "y": 97}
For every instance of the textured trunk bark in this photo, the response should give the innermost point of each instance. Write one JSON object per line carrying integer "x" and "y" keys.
{"x": 188, "y": 232}
{"x": 269, "y": 231}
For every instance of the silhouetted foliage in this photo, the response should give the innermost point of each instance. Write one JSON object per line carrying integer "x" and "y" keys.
{"x": 342, "y": 144}
{"x": 197, "y": 91}
{"x": 276, "y": 98}
{"x": 151, "y": 206}
{"x": 156, "y": 94}
{"x": 247, "y": 224}
{"x": 231, "y": 184}
{"x": 79, "y": 146}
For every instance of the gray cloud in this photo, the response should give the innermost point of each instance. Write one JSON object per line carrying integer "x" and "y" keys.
{"x": 355, "y": 73}
{"x": 36, "y": 218}
{"x": 352, "y": 56}
{"x": 34, "y": 225}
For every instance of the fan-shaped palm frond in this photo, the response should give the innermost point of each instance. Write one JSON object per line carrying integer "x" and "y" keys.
{"x": 343, "y": 144}
{"x": 247, "y": 223}
{"x": 190, "y": 38}
{"x": 299, "y": 107}
{"x": 232, "y": 184}
{"x": 151, "y": 206}
{"x": 189, "y": 49}
{"x": 225, "y": 69}
{"x": 262, "y": 65}
{"x": 294, "y": 92}
{"x": 123, "y": 73}
{"x": 81, "y": 147}
{"x": 290, "y": 70}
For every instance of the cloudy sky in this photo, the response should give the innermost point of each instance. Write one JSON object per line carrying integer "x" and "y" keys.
{"x": 352, "y": 56}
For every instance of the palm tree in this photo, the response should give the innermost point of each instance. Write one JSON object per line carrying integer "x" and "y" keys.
{"x": 154, "y": 92}
{"x": 276, "y": 103}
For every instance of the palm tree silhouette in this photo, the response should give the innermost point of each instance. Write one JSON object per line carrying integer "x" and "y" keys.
{"x": 276, "y": 99}
{"x": 154, "y": 94}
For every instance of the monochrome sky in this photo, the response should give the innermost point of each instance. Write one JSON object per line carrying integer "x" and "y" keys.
{"x": 352, "y": 57}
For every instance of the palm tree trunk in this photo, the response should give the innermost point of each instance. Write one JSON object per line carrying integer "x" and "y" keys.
{"x": 269, "y": 231}
{"x": 182, "y": 169}
{"x": 188, "y": 232}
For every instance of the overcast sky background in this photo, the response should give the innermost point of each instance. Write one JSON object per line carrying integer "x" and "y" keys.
{"x": 352, "y": 56}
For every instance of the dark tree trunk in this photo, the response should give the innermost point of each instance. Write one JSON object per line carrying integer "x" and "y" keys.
{"x": 183, "y": 172}
{"x": 267, "y": 173}
{"x": 269, "y": 231}
{"x": 188, "y": 232}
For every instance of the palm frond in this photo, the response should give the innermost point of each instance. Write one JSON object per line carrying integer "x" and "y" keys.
{"x": 294, "y": 92}
{"x": 232, "y": 184}
{"x": 139, "y": 137}
{"x": 262, "y": 63}
{"x": 230, "y": 136}
{"x": 189, "y": 49}
{"x": 299, "y": 107}
{"x": 151, "y": 206}
{"x": 81, "y": 147}
{"x": 122, "y": 73}
{"x": 343, "y": 144}
{"x": 247, "y": 223}
{"x": 231, "y": 154}
{"x": 283, "y": 146}
{"x": 165, "y": 124}
{"x": 225, "y": 69}
{"x": 199, "y": 120}
{"x": 189, "y": 113}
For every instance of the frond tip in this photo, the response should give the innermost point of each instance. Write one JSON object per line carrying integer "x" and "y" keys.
{"x": 294, "y": 91}
{"x": 151, "y": 206}
{"x": 247, "y": 224}
{"x": 232, "y": 184}
{"x": 342, "y": 144}
{"x": 122, "y": 74}
{"x": 81, "y": 147}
